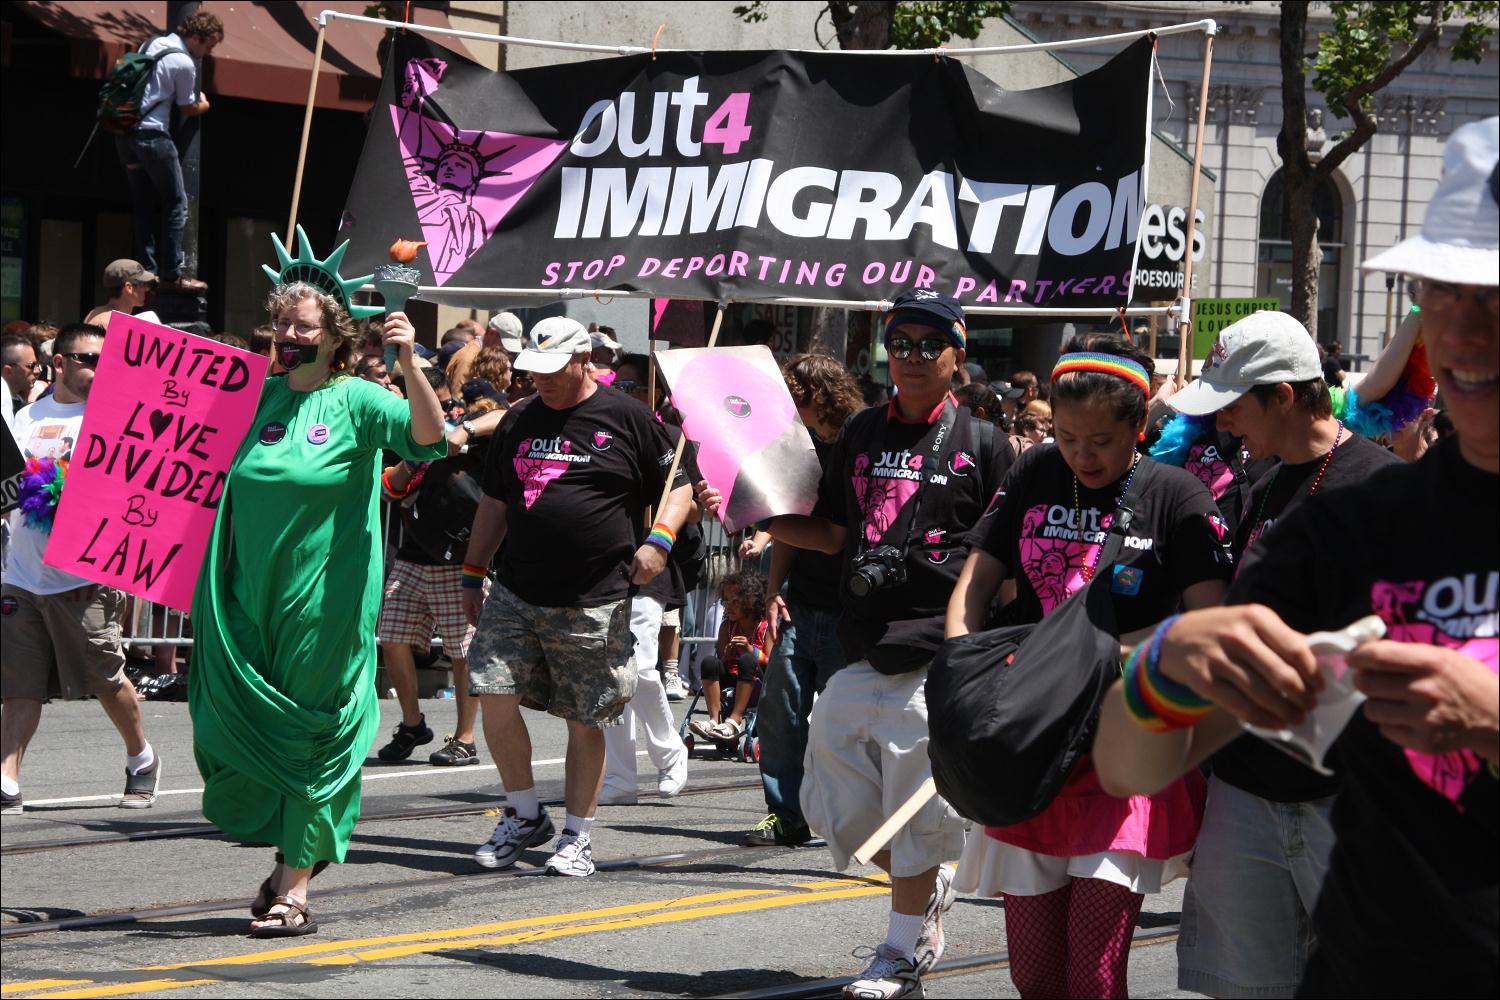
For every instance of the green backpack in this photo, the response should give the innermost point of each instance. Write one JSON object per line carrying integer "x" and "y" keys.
{"x": 120, "y": 98}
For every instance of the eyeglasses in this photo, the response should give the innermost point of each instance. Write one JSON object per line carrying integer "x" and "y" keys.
{"x": 88, "y": 360}
{"x": 281, "y": 326}
{"x": 901, "y": 346}
{"x": 35, "y": 366}
{"x": 522, "y": 379}
{"x": 1441, "y": 295}
{"x": 449, "y": 405}
{"x": 629, "y": 386}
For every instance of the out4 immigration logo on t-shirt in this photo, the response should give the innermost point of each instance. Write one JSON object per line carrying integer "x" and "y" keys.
{"x": 540, "y": 461}
{"x": 1054, "y": 548}
{"x": 1455, "y": 612}
{"x": 883, "y": 488}
{"x": 1211, "y": 468}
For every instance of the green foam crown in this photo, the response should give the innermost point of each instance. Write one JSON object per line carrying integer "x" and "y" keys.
{"x": 321, "y": 274}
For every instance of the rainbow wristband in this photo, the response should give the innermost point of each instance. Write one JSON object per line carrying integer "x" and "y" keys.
{"x": 1155, "y": 701}
{"x": 662, "y": 537}
{"x": 473, "y": 576}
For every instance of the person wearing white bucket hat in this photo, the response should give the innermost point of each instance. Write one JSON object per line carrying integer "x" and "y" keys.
{"x": 1411, "y": 902}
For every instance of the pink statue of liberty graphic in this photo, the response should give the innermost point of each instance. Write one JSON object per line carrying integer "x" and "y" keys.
{"x": 537, "y": 473}
{"x": 1450, "y": 773}
{"x": 1212, "y": 471}
{"x": 880, "y": 500}
{"x": 1054, "y": 566}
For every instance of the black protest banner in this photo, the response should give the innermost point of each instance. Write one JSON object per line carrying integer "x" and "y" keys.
{"x": 754, "y": 175}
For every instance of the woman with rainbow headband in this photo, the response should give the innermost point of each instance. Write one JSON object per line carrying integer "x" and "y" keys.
{"x": 282, "y": 694}
{"x": 1074, "y": 877}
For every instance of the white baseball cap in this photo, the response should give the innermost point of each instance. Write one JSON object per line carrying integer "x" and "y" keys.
{"x": 512, "y": 334}
{"x": 1460, "y": 239}
{"x": 601, "y": 339}
{"x": 554, "y": 342}
{"x": 1264, "y": 348}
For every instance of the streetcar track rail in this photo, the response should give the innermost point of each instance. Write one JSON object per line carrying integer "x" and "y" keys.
{"x": 209, "y": 829}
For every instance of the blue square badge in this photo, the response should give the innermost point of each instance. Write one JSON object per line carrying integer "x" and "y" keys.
{"x": 1127, "y": 580}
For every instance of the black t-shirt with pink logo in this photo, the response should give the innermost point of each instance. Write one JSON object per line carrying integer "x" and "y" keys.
{"x": 1410, "y": 906}
{"x": 1175, "y": 539}
{"x": 869, "y": 483}
{"x": 576, "y": 484}
{"x": 1219, "y": 464}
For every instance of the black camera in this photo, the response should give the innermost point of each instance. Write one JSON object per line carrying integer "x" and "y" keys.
{"x": 877, "y": 569}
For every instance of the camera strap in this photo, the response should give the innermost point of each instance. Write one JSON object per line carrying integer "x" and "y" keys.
{"x": 937, "y": 442}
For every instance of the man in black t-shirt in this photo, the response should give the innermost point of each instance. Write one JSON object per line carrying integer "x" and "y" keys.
{"x": 904, "y": 484}
{"x": 567, "y": 485}
{"x": 1263, "y": 849}
{"x": 1410, "y": 905}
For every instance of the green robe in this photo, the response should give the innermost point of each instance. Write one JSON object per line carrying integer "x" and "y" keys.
{"x": 282, "y": 688}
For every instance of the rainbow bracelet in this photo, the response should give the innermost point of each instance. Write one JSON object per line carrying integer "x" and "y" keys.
{"x": 1155, "y": 701}
{"x": 473, "y": 576}
{"x": 662, "y": 537}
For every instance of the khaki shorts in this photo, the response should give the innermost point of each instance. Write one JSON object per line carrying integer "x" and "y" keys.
{"x": 76, "y": 632}
{"x": 671, "y": 618}
{"x": 574, "y": 663}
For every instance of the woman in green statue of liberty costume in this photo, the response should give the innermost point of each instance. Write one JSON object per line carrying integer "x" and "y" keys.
{"x": 282, "y": 689}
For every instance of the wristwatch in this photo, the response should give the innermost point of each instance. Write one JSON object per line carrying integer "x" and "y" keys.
{"x": 468, "y": 426}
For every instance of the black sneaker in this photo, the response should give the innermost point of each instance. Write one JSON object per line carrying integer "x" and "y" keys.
{"x": 10, "y": 803}
{"x": 455, "y": 753}
{"x": 405, "y": 740}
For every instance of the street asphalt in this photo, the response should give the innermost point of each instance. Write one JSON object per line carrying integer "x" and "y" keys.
{"x": 412, "y": 914}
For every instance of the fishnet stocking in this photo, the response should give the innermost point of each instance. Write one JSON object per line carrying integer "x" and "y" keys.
{"x": 1073, "y": 941}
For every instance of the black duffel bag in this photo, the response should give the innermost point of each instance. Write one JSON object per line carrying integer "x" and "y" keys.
{"x": 1011, "y": 709}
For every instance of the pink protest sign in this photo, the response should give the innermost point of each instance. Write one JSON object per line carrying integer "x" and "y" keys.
{"x": 752, "y": 446}
{"x": 165, "y": 416}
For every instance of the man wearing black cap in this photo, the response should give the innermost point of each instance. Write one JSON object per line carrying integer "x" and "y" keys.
{"x": 903, "y": 485}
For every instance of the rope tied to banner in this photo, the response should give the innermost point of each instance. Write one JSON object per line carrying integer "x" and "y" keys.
{"x": 656, "y": 38}
{"x": 1126, "y": 327}
{"x": 1156, "y": 65}
{"x": 602, "y": 302}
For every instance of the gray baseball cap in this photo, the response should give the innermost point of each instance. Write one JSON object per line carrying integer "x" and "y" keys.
{"x": 512, "y": 334}
{"x": 554, "y": 342}
{"x": 1264, "y": 348}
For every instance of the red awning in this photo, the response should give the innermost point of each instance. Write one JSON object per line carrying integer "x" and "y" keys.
{"x": 267, "y": 50}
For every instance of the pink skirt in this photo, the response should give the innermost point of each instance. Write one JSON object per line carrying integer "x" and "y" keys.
{"x": 1085, "y": 819}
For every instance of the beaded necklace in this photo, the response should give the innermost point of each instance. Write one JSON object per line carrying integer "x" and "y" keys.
{"x": 1260, "y": 512}
{"x": 1088, "y": 568}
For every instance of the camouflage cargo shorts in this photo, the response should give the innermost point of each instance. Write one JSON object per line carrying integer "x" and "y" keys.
{"x": 573, "y": 663}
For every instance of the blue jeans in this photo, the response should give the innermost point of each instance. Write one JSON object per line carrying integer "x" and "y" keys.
{"x": 158, "y": 198}
{"x": 800, "y": 665}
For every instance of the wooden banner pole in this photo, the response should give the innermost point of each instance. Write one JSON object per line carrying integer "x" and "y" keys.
{"x": 312, "y": 93}
{"x": 1185, "y": 321}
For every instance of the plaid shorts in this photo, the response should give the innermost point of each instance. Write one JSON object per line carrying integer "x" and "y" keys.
{"x": 574, "y": 663}
{"x": 420, "y": 600}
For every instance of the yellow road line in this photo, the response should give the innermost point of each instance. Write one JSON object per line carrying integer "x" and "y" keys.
{"x": 41, "y": 984}
{"x": 126, "y": 989}
{"x": 353, "y": 944}
{"x": 546, "y": 934}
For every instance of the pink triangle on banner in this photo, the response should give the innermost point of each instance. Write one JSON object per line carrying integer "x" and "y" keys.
{"x": 464, "y": 183}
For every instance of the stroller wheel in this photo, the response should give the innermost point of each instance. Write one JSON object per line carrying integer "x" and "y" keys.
{"x": 755, "y": 749}
{"x": 688, "y": 742}
{"x": 745, "y": 750}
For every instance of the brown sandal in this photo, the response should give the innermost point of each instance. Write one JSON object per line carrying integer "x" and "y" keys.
{"x": 286, "y": 928}
{"x": 265, "y": 896}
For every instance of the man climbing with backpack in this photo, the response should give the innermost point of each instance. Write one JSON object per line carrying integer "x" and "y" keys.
{"x": 136, "y": 104}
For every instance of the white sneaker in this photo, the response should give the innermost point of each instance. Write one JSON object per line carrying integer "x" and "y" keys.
{"x": 670, "y": 781}
{"x": 930, "y": 941}
{"x": 617, "y": 797}
{"x": 512, "y": 836}
{"x": 888, "y": 976}
{"x": 672, "y": 681}
{"x": 574, "y": 856}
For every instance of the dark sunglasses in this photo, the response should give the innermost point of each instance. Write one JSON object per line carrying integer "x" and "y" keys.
{"x": 91, "y": 360}
{"x": 523, "y": 379}
{"x": 451, "y": 404}
{"x": 629, "y": 386}
{"x": 900, "y": 347}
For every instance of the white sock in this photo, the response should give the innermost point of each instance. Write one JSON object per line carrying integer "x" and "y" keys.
{"x": 670, "y": 666}
{"x": 136, "y": 763}
{"x": 901, "y": 936}
{"x": 525, "y": 802}
{"x": 9, "y": 786}
{"x": 582, "y": 826}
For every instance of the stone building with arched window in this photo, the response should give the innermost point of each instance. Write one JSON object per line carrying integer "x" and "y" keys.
{"x": 1374, "y": 199}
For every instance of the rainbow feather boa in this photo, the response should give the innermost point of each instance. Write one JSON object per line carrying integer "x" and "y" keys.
{"x": 41, "y": 488}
